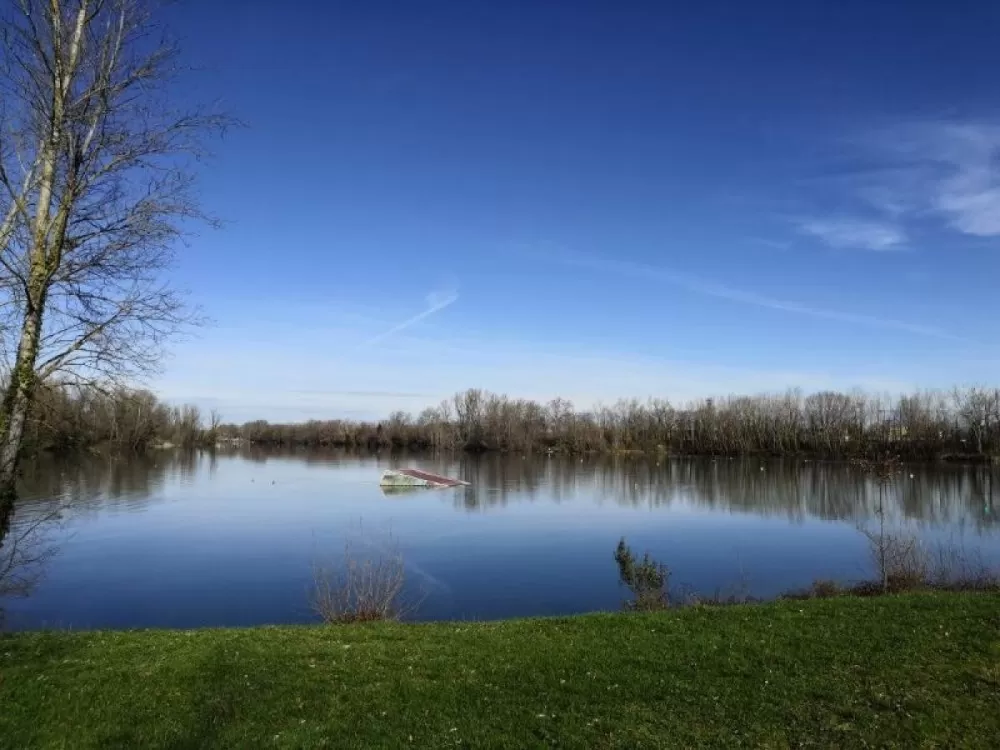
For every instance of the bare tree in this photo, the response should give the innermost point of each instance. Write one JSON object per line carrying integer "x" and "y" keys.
{"x": 979, "y": 410}
{"x": 890, "y": 552}
{"x": 95, "y": 188}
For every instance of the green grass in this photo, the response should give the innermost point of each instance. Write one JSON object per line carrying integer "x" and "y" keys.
{"x": 918, "y": 670}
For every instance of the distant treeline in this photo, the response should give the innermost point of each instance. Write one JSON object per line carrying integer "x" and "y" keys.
{"x": 66, "y": 417}
{"x": 964, "y": 422}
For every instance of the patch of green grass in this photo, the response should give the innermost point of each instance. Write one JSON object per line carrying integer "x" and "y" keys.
{"x": 907, "y": 671}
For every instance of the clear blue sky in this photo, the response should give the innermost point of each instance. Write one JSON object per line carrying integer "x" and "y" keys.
{"x": 591, "y": 200}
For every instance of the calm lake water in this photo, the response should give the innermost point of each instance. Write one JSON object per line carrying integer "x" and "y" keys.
{"x": 184, "y": 540}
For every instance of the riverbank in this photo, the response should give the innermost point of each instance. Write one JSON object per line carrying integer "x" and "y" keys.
{"x": 909, "y": 670}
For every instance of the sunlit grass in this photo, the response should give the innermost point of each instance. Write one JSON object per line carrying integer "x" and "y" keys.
{"x": 906, "y": 671}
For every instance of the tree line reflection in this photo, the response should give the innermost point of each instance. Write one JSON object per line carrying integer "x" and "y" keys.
{"x": 937, "y": 495}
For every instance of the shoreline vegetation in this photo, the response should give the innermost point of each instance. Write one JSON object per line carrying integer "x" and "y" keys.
{"x": 906, "y": 670}
{"x": 962, "y": 424}
{"x": 373, "y": 587}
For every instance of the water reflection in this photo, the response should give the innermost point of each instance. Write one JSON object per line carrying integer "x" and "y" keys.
{"x": 54, "y": 490}
{"x": 929, "y": 494}
{"x": 933, "y": 495}
{"x": 27, "y": 543}
{"x": 92, "y": 482}
{"x": 194, "y": 538}
{"x": 938, "y": 494}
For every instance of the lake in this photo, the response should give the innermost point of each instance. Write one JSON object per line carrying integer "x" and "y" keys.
{"x": 180, "y": 539}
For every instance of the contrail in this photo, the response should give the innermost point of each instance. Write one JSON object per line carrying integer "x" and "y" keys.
{"x": 435, "y": 303}
{"x": 711, "y": 289}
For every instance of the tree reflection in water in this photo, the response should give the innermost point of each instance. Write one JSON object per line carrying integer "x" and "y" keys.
{"x": 932, "y": 494}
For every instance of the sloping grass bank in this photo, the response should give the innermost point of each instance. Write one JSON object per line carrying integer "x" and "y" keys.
{"x": 916, "y": 670}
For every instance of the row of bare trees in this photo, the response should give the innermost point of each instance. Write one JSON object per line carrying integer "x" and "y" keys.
{"x": 67, "y": 417}
{"x": 964, "y": 421}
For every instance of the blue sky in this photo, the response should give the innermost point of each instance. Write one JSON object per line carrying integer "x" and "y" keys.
{"x": 590, "y": 200}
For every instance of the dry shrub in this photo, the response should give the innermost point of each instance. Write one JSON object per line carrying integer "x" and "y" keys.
{"x": 363, "y": 587}
{"x": 824, "y": 589}
{"x": 820, "y": 589}
{"x": 904, "y": 563}
{"x": 951, "y": 567}
{"x": 901, "y": 561}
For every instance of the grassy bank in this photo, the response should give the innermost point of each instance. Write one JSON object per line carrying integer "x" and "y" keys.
{"x": 907, "y": 671}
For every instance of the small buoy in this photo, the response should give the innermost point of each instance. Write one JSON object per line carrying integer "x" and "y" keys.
{"x": 911, "y": 476}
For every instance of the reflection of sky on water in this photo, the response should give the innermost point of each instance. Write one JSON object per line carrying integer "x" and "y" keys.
{"x": 185, "y": 540}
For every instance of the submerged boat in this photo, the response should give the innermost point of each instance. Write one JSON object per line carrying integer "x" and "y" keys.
{"x": 405, "y": 478}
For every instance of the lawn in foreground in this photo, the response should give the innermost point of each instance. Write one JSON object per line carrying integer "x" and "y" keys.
{"x": 907, "y": 671}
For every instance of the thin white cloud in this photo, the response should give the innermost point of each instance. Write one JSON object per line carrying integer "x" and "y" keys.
{"x": 720, "y": 291}
{"x": 949, "y": 170}
{"x": 436, "y": 301}
{"x": 968, "y": 190}
{"x": 847, "y": 233}
{"x": 915, "y": 176}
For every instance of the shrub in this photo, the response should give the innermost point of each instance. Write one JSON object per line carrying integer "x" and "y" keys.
{"x": 362, "y": 588}
{"x": 647, "y": 579}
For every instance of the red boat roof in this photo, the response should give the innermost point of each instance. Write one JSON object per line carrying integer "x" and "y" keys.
{"x": 429, "y": 477}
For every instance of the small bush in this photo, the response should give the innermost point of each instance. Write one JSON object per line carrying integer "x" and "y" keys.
{"x": 868, "y": 588}
{"x": 647, "y": 579}
{"x": 820, "y": 589}
{"x": 825, "y": 589}
{"x": 904, "y": 563}
{"x": 911, "y": 566}
{"x": 951, "y": 568}
{"x": 362, "y": 589}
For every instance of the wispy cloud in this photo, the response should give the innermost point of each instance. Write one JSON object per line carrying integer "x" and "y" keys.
{"x": 721, "y": 291}
{"x": 436, "y": 301}
{"x": 916, "y": 175}
{"x": 847, "y": 233}
{"x": 968, "y": 193}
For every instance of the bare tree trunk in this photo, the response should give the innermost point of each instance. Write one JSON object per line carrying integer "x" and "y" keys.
{"x": 6, "y": 512}
{"x": 16, "y": 405}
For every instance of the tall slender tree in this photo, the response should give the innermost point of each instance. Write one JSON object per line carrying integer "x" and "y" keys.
{"x": 96, "y": 171}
